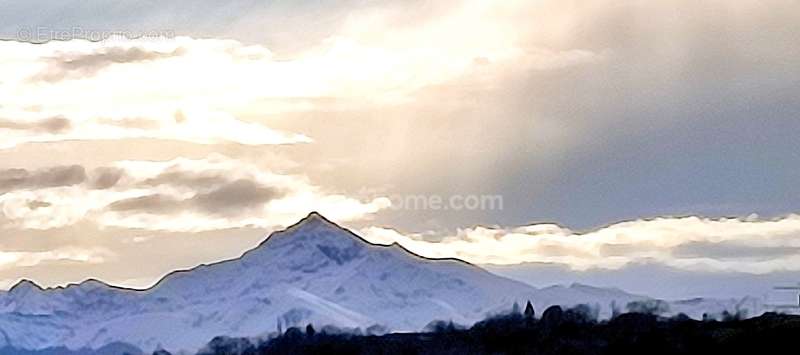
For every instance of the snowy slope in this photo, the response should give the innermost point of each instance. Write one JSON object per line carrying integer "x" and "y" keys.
{"x": 313, "y": 272}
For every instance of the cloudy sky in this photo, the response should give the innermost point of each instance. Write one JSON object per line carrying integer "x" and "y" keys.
{"x": 622, "y": 138}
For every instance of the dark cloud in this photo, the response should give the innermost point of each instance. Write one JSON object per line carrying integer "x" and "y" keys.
{"x": 188, "y": 179}
{"x": 48, "y": 125}
{"x": 69, "y": 66}
{"x": 35, "y": 204}
{"x": 234, "y": 196}
{"x": 105, "y": 178}
{"x": 101, "y": 178}
{"x": 13, "y": 178}
{"x": 614, "y": 250}
{"x": 732, "y": 250}
{"x": 60, "y": 176}
{"x": 556, "y": 249}
{"x": 228, "y": 199}
{"x": 179, "y": 116}
{"x": 55, "y": 124}
{"x": 156, "y": 204}
{"x": 51, "y": 177}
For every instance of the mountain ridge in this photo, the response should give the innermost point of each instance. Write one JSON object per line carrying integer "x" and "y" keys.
{"x": 312, "y": 217}
{"x": 312, "y": 272}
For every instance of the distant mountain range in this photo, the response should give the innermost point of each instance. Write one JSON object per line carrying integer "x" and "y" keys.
{"x": 314, "y": 272}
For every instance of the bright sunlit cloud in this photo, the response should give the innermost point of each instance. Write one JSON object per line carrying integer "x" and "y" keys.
{"x": 28, "y": 259}
{"x": 688, "y": 243}
{"x": 193, "y": 89}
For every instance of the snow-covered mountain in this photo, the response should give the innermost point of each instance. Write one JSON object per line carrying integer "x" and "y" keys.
{"x": 313, "y": 272}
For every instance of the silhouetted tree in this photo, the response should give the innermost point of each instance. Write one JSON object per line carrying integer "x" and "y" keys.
{"x": 223, "y": 345}
{"x": 580, "y": 314}
{"x": 615, "y": 310}
{"x": 552, "y": 316}
{"x": 681, "y": 317}
{"x": 529, "y": 312}
{"x": 656, "y": 307}
{"x": 440, "y": 326}
{"x": 310, "y": 330}
{"x": 572, "y": 331}
{"x": 515, "y": 308}
{"x": 293, "y": 333}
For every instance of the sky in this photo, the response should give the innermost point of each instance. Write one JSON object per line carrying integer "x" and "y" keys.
{"x": 607, "y": 140}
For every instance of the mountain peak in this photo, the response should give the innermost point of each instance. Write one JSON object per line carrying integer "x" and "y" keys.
{"x": 311, "y": 231}
{"x": 91, "y": 284}
{"x": 25, "y": 285}
{"x": 314, "y": 217}
{"x": 312, "y": 222}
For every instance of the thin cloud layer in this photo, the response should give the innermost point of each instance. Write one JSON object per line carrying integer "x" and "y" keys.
{"x": 48, "y": 125}
{"x": 20, "y": 178}
{"x": 71, "y": 90}
{"x": 687, "y": 243}
{"x": 80, "y": 66}
{"x": 196, "y": 90}
{"x": 10, "y": 259}
{"x": 228, "y": 198}
{"x": 178, "y": 195}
